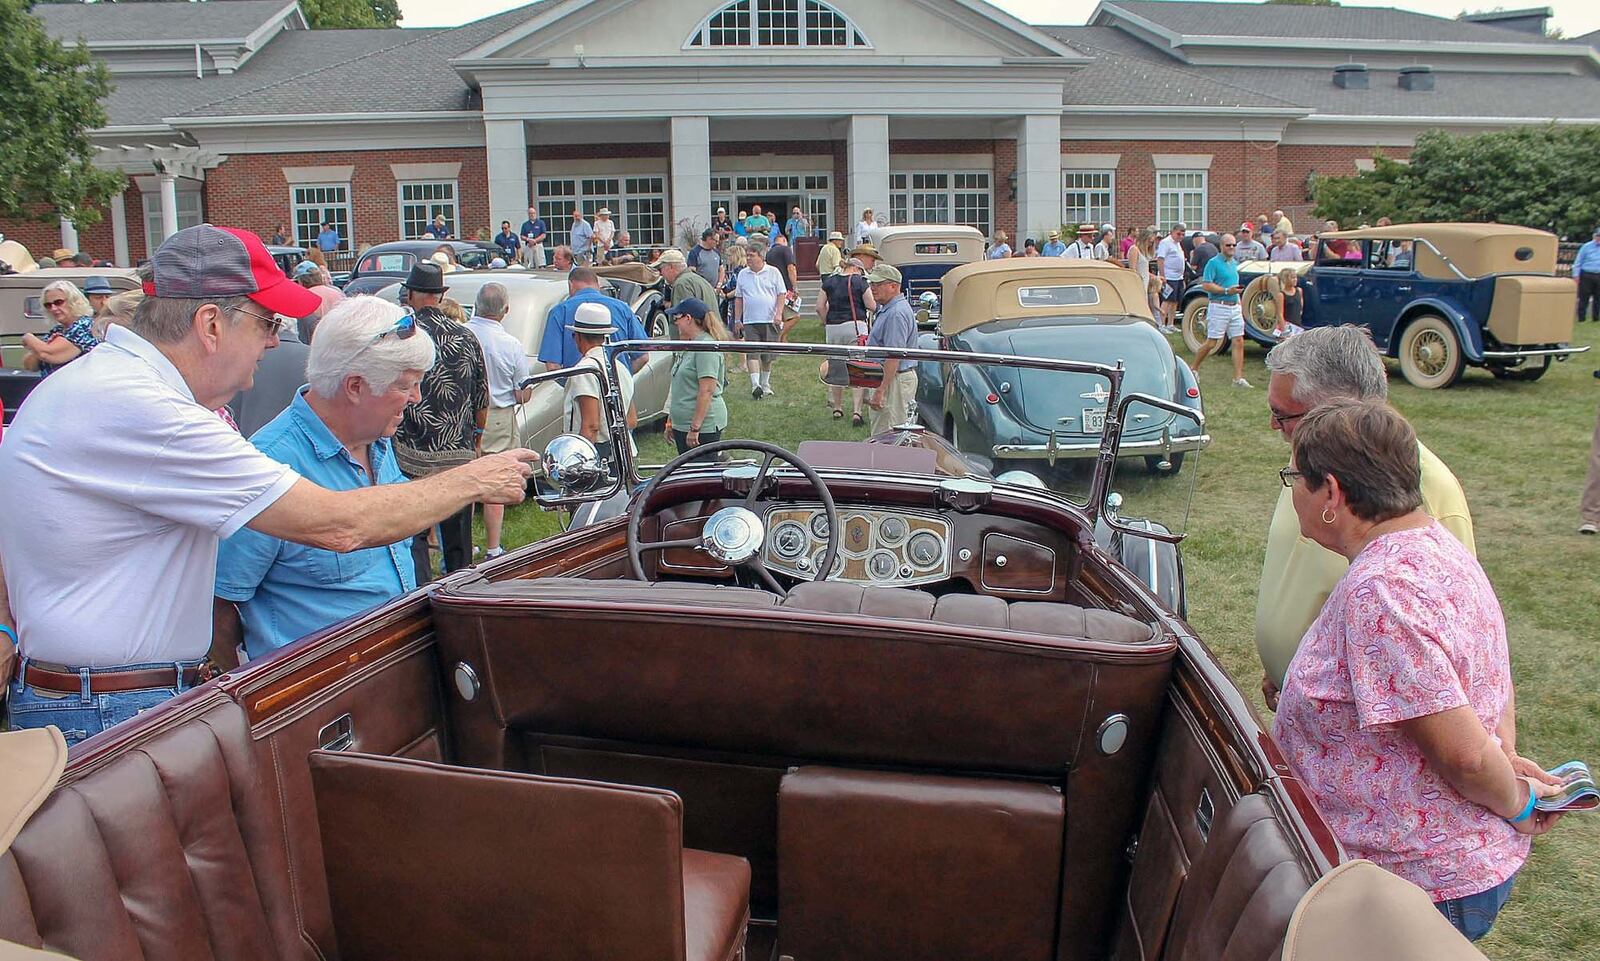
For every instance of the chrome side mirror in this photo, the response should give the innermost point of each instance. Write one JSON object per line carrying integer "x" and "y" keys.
{"x": 572, "y": 465}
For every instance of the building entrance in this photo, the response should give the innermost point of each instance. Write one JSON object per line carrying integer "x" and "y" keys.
{"x": 776, "y": 207}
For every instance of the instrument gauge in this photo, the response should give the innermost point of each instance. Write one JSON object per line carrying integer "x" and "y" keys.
{"x": 892, "y": 530}
{"x": 925, "y": 549}
{"x": 789, "y": 540}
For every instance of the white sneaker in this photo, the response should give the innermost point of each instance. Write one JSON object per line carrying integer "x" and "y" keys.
{"x": 1241, "y": 382}
{"x": 493, "y": 552}
{"x": 768, "y": 392}
{"x": 1589, "y": 529}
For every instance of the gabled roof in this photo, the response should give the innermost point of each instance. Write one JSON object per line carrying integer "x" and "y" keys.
{"x": 1189, "y": 18}
{"x": 178, "y": 23}
{"x": 1125, "y": 71}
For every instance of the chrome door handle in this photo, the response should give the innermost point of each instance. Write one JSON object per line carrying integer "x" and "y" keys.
{"x": 1403, "y": 288}
{"x": 337, "y": 735}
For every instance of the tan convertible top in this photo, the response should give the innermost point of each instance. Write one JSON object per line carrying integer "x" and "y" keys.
{"x": 993, "y": 289}
{"x": 1475, "y": 249}
{"x": 898, "y": 244}
{"x": 633, "y": 273}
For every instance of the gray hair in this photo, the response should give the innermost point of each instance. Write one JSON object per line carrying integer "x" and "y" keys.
{"x": 77, "y": 303}
{"x": 345, "y": 346}
{"x": 492, "y": 301}
{"x": 1330, "y": 363}
{"x": 168, "y": 320}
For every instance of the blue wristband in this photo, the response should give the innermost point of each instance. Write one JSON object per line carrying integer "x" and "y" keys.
{"x": 1527, "y": 812}
{"x": 8, "y": 632}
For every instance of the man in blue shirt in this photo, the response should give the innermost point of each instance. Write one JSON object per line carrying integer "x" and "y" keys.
{"x": 799, "y": 225}
{"x": 582, "y": 234}
{"x": 1053, "y": 247}
{"x": 328, "y": 240}
{"x": 556, "y": 347}
{"x": 1586, "y": 271}
{"x": 1223, "y": 317}
{"x": 336, "y": 432}
{"x": 534, "y": 234}
{"x": 894, "y": 326}
{"x": 508, "y": 242}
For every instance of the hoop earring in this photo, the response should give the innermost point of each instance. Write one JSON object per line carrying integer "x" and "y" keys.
{"x": 1328, "y": 516}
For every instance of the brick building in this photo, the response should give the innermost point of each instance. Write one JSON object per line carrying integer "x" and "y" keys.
{"x": 663, "y": 110}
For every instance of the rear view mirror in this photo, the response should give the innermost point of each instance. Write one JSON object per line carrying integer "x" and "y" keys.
{"x": 1158, "y": 461}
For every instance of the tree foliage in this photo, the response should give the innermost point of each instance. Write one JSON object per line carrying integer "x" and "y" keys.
{"x": 53, "y": 101}
{"x": 1541, "y": 177}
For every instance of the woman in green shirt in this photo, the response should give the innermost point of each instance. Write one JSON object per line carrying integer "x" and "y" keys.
{"x": 694, "y": 400}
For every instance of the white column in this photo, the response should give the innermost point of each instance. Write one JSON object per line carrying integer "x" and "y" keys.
{"x": 169, "y": 205}
{"x": 691, "y": 176}
{"x": 119, "y": 230}
{"x": 1038, "y": 175}
{"x": 868, "y": 155}
{"x": 506, "y": 149}
{"x": 69, "y": 235}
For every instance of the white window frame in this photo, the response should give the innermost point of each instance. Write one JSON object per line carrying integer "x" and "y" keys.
{"x": 902, "y": 191}
{"x": 1085, "y": 214}
{"x": 191, "y": 213}
{"x": 347, "y": 239}
{"x": 1164, "y": 223}
{"x": 701, "y": 38}
{"x": 591, "y": 191}
{"x": 451, "y": 208}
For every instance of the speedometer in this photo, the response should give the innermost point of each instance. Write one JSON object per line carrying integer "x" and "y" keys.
{"x": 926, "y": 549}
{"x": 789, "y": 540}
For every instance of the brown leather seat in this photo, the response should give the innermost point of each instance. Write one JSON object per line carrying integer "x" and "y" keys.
{"x": 432, "y": 861}
{"x": 172, "y": 848}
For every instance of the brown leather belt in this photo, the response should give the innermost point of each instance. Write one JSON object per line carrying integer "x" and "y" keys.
{"x": 61, "y": 680}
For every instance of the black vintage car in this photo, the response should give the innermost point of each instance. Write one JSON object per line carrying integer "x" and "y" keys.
{"x": 383, "y": 264}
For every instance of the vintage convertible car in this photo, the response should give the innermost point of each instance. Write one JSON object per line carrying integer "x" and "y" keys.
{"x": 820, "y": 703}
{"x": 532, "y": 294}
{"x": 382, "y": 264}
{"x": 1052, "y": 307}
{"x": 924, "y": 253}
{"x": 1437, "y": 297}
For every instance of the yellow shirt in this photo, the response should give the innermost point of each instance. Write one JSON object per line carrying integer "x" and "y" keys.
{"x": 1298, "y": 574}
{"x": 828, "y": 259}
{"x": 1285, "y": 227}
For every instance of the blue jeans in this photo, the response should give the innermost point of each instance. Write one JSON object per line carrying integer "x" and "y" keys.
{"x": 83, "y": 714}
{"x": 1474, "y": 914}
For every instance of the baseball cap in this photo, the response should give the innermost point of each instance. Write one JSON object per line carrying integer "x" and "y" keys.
{"x": 671, "y": 255}
{"x": 1247, "y": 228}
{"x": 883, "y": 273}
{"x": 693, "y": 306}
{"x": 304, "y": 267}
{"x": 207, "y": 262}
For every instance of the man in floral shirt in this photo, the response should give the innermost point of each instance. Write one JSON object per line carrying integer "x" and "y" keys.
{"x": 444, "y": 428}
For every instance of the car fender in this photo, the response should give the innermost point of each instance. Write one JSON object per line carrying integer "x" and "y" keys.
{"x": 1157, "y": 564}
{"x": 930, "y": 385}
{"x": 1470, "y": 334}
{"x": 1184, "y": 379}
{"x": 979, "y": 422}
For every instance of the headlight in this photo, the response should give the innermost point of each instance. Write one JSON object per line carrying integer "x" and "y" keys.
{"x": 929, "y": 300}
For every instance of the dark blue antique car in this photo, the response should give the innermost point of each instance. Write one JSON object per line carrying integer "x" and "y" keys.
{"x": 924, "y": 253}
{"x": 1060, "y": 309}
{"x": 382, "y": 264}
{"x": 1437, "y": 298}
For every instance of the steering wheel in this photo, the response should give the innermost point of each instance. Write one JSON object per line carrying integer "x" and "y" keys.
{"x": 734, "y": 535}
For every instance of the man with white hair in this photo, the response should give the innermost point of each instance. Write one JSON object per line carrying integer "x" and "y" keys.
{"x": 506, "y": 363}
{"x": 336, "y": 432}
{"x": 116, "y": 616}
{"x": 1314, "y": 367}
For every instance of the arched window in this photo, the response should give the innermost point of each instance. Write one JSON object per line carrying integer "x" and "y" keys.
{"x": 777, "y": 23}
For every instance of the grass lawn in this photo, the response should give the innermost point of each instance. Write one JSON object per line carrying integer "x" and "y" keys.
{"x": 1520, "y": 450}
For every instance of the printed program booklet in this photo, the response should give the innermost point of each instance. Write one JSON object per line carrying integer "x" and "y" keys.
{"x": 1578, "y": 791}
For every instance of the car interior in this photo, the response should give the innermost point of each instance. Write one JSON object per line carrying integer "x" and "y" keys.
{"x": 608, "y": 746}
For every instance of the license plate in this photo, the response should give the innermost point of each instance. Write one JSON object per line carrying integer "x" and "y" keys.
{"x": 1094, "y": 420}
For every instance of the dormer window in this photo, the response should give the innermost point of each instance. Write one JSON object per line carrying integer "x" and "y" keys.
{"x": 777, "y": 23}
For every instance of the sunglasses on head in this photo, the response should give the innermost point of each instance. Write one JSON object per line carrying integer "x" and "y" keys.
{"x": 404, "y": 329}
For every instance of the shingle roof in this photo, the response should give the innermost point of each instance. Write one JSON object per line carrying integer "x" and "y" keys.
{"x": 179, "y": 22}
{"x": 1532, "y": 96}
{"x": 1325, "y": 23}
{"x": 1126, "y": 71}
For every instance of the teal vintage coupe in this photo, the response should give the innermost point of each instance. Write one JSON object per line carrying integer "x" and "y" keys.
{"x": 1060, "y": 309}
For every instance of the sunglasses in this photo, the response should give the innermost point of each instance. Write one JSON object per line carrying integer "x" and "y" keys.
{"x": 1229, "y": 246}
{"x": 404, "y": 329}
{"x": 55, "y": 303}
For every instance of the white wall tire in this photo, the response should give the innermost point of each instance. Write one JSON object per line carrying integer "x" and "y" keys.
{"x": 1430, "y": 353}
{"x": 1193, "y": 324}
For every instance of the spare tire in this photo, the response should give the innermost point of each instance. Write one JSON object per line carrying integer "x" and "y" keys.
{"x": 1259, "y": 306}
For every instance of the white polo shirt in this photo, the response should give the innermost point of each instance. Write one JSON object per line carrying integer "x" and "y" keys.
{"x": 117, "y": 488}
{"x": 504, "y": 359}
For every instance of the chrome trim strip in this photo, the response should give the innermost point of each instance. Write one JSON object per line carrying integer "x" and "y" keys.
{"x": 1028, "y": 451}
{"x": 1533, "y": 352}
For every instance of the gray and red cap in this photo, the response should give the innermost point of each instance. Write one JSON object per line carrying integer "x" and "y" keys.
{"x": 213, "y": 263}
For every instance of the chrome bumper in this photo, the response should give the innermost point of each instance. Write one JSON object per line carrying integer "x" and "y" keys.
{"x": 1532, "y": 352}
{"x": 1054, "y": 451}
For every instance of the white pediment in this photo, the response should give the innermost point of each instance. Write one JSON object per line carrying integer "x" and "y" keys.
{"x": 635, "y": 30}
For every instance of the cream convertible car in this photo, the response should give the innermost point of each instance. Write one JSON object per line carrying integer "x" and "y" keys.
{"x": 532, "y": 294}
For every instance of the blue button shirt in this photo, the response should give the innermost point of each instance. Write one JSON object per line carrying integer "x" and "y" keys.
{"x": 582, "y": 238}
{"x": 1587, "y": 261}
{"x": 557, "y": 347}
{"x": 1224, "y": 272}
{"x": 1053, "y": 248}
{"x": 285, "y": 590}
{"x": 328, "y": 241}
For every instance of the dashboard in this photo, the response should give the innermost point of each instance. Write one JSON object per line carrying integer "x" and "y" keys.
{"x": 876, "y": 546}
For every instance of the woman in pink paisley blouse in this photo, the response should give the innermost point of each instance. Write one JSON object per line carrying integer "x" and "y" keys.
{"x": 1397, "y": 712}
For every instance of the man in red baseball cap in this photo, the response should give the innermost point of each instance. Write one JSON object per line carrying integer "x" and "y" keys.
{"x": 124, "y": 482}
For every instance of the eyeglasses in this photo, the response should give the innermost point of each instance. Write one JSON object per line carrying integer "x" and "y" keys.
{"x": 272, "y": 325}
{"x": 55, "y": 303}
{"x": 1284, "y": 420}
{"x": 1229, "y": 246}
{"x": 1288, "y": 474}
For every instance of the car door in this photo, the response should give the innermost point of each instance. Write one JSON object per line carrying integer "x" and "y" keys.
{"x": 1334, "y": 290}
{"x": 1387, "y": 286}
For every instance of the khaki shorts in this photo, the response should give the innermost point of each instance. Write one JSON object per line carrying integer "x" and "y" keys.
{"x": 500, "y": 430}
